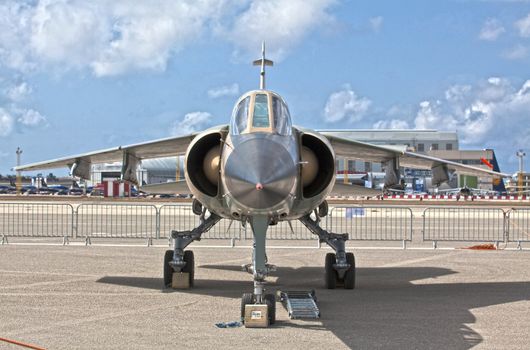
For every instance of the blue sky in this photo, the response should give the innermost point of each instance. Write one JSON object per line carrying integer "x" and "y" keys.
{"x": 77, "y": 76}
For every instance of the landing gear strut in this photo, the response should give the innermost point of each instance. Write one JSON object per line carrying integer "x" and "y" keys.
{"x": 339, "y": 267}
{"x": 180, "y": 260}
{"x": 259, "y": 269}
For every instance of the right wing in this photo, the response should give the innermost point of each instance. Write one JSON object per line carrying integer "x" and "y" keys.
{"x": 130, "y": 156}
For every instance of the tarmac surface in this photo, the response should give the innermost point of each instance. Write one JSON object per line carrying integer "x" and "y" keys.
{"x": 109, "y": 297}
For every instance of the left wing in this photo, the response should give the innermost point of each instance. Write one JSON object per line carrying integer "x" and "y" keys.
{"x": 172, "y": 187}
{"x": 396, "y": 156}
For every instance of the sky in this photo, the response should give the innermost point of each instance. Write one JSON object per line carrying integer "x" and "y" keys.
{"x": 77, "y": 76}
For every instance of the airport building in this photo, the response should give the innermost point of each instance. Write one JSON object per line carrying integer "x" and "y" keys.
{"x": 513, "y": 185}
{"x": 440, "y": 144}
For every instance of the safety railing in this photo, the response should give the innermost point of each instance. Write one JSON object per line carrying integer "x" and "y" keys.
{"x": 368, "y": 223}
{"x": 373, "y": 223}
{"x": 36, "y": 220}
{"x": 116, "y": 221}
{"x": 518, "y": 225}
{"x": 284, "y": 230}
{"x": 179, "y": 217}
{"x": 463, "y": 224}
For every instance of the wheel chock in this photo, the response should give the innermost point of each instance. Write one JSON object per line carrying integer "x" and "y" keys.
{"x": 256, "y": 316}
{"x": 180, "y": 280}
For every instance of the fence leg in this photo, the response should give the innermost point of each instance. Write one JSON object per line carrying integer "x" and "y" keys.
{"x": 434, "y": 244}
{"x": 404, "y": 244}
{"x": 4, "y": 240}
{"x": 232, "y": 242}
{"x": 88, "y": 241}
{"x": 497, "y": 245}
{"x": 149, "y": 242}
{"x": 66, "y": 241}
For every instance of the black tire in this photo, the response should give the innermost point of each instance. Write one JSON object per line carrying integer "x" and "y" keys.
{"x": 189, "y": 259}
{"x": 349, "y": 277}
{"x": 330, "y": 275}
{"x": 168, "y": 270}
{"x": 246, "y": 299}
{"x": 270, "y": 300}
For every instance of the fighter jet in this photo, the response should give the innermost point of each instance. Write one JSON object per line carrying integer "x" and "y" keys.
{"x": 260, "y": 169}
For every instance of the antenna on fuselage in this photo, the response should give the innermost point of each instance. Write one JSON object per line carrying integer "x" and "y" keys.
{"x": 262, "y": 62}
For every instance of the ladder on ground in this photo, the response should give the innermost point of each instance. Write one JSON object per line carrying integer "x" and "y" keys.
{"x": 300, "y": 304}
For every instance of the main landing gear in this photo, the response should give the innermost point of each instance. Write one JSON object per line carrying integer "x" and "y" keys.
{"x": 339, "y": 266}
{"x": 183, "y": 261}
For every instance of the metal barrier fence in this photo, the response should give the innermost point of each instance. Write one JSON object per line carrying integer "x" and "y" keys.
{"x": 285, "y": 230}
{"x": 36, "y": 220}
{"x": 181, "y": 218}
{"x": 369, "y": 223}
{"x": 372, "y": 223}
{"x": 117, "y": 221}
{"x": 464, "y": 224}
{"x": 518, "y": 225}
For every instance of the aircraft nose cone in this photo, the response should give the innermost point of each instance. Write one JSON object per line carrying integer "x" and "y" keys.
{"x": 260, "y": 173}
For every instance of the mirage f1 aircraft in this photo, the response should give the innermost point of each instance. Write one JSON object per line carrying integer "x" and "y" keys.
{"x": 260, "y": 169}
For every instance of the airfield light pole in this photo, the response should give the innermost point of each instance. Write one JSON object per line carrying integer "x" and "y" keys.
{"x": 19, "y": 175}
{"x": 521, "y": 154}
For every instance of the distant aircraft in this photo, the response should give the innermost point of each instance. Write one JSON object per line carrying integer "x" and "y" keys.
{"x": 260, "y": 170}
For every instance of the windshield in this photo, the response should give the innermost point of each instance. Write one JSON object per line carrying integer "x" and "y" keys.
{"x": 282, "y": 118}
{"x": 261, "y": 112}
{"x": 240, "y": 116}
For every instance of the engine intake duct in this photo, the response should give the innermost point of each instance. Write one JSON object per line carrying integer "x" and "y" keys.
{"x": 202, "y": 164}
{"x": 318, "y": 165}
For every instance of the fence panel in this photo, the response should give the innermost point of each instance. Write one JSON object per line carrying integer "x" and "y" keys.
{"x": 371, "y": 223}
{"x": 36, "y": 220}
{"x": 283, "y": 231}
{"x": 180, "y": 217}
{"x": 518, "y": 225}
{"x": 117, "y": 221}
{"x": 463, "y": 224}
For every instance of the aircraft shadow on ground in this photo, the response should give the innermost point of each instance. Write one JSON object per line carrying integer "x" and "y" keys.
{"x": 386, "y": 310}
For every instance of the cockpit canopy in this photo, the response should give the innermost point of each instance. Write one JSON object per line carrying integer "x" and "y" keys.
{"x": 261, "y": 111}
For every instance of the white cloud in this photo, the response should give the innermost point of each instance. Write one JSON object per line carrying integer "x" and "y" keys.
{"x": 345, "y": 104}
{"x": 492, "y": 113}
{"x": 491, "y": 30}
{"x": 30, "y": 117}
{"x": 282, "y": 24}
{"x": 376, "y": 23}
{"x": 115, "y": 37}
{"x": 18, "y": 92}
{"x": 222, "y": 91}
{"x": 517, "y": 52}
{"x": 523, "y": 25}
{"x": 391, "y": 124}
{"x": 190, "y": 123}
{"x": 6, "y": 122}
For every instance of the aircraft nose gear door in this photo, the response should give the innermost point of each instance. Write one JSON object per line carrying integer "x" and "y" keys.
{"x": 260, "y": 269}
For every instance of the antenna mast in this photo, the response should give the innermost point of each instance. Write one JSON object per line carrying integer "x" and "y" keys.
{"x": 262, "y": 62}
